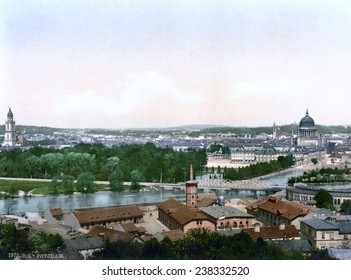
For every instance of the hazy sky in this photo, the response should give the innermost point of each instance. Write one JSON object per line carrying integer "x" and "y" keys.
{"x": 119, "y": 64}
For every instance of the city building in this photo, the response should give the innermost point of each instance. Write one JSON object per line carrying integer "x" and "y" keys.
{"x": 10, "y": 131}
{"x": 227, "y": 217}
{"x": 307, "y": 134}
{"x": 176, "y": 215}
{"x": 104, "y": 217}
{"x": 305, "y": 193}
{"x": 274, "y": 212}
{"x": 330, "y": 232}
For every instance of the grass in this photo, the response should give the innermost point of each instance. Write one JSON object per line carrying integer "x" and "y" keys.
{"x": 40, "y": 188}
{"x": 26, "y": 186}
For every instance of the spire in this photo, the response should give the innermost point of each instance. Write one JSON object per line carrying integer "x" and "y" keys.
{"x": 10, "y": 114}
{"x": 307, "y": 111}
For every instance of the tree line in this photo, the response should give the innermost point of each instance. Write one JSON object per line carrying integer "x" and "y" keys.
{"x": 258, "y": 169}
{"x": 128, "y": 162}
{"x": 321, "y": 176}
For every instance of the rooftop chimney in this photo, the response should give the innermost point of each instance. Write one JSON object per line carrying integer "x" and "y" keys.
{"x": 257, "y": 227}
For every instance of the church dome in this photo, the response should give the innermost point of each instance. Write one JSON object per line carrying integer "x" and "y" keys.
{"x": 10, "y": 114}
{"x": 307, "y": 121}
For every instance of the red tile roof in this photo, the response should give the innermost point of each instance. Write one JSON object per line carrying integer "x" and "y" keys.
{"x": 106, "y": 215}
{"x": 174, "y": 235}
{"x": 130, "y": 227}
{"x": 180, "y": 212}
{"x": 288, "y": 211}
{"x": 274, "y": 232}
{"x": 56, "y": 212}
{"x": 110, "y": 235}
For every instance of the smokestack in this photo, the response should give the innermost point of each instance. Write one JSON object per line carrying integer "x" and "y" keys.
{"x": 191, "y": 172}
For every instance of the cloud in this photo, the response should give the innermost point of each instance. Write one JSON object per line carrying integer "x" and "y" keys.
{"x": 145, "y": 99}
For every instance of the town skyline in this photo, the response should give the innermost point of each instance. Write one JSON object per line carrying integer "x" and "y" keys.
{"x": 118, "y": 65}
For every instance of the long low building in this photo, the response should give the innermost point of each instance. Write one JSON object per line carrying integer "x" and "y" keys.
{"x": 305, "y": 193}
{"x": 104, "y": 217}
{"x": 259, "y": 154}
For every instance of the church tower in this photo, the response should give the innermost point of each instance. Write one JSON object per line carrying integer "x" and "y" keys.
{"x": 191, "y": 190}
{"x": 274, "y": 133}
{"x": 10, "y": 130}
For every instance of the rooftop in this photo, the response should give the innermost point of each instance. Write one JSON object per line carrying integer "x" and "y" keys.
{"x": 274, "y": 232}
{"x": 108, "y": 214}
{"x": 224, "y": 211}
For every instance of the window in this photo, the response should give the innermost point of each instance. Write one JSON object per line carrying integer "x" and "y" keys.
{"x": 346, "y": 237}
{"x": 332, "y": 235}
{"x": 323, "y": 235}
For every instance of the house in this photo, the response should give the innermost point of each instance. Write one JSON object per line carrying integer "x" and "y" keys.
{"x": 104, "y": 217}
{"x": 176, "y": 215}
{"x": 174, "y": 235}
{"x": 281, "y": 232}
{"x": 53, "y": 215}
{"x": 227, "y": 217}
{"x": 274, "y": 211}
{"x": 113, "y": 236}
{"x": 132, "y": 228}
{"x": 85, "y": 246}
{"x": 331, "y": 232}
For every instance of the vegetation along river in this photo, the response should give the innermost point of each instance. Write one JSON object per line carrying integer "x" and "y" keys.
{"x": 109, "y": 199}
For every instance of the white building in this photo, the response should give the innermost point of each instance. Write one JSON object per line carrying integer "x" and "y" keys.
{"x": 10, "y": 130}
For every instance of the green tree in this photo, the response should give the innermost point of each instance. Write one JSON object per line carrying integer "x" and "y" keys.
{"x": 135, "y": 178}
{"x": 7, "y": 240}
{"x": 324, "y": 200}
{"x": 314, "y": 161}
{"x": 67, "y": 184}
{"x": 54, "y": 185}
{"x": 51, "y": 164}
{"x": 85, "y": 182}
{"x": 32, "y": 166}
{"x": 116, "y": 180}
{"x": 345, "y": 207}
{"x": 110, "y": 165}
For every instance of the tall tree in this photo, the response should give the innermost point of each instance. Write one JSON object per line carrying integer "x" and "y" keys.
{"x": 116, "y": 180}
{"x": 85, "y": 182}
{"x": 324, "y": 200}
{"x": 135, "y": 178}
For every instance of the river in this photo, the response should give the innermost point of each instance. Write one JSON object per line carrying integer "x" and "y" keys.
{"x": 109, "y": 199}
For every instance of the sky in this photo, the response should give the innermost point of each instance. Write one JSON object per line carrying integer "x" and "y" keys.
{"x": 142, "y": 64}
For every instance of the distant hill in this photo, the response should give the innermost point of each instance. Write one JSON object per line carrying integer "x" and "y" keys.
{"x": 193, "y": 130}
{"x": 31, "y": 129}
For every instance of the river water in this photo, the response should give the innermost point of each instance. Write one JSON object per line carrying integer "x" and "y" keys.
{"x": 109, "y": 199}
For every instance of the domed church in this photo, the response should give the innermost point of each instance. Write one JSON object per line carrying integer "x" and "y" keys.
{"x": 307, "y": 134}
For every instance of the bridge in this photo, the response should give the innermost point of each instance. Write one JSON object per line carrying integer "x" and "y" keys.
{"x": 219, "y": 184}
